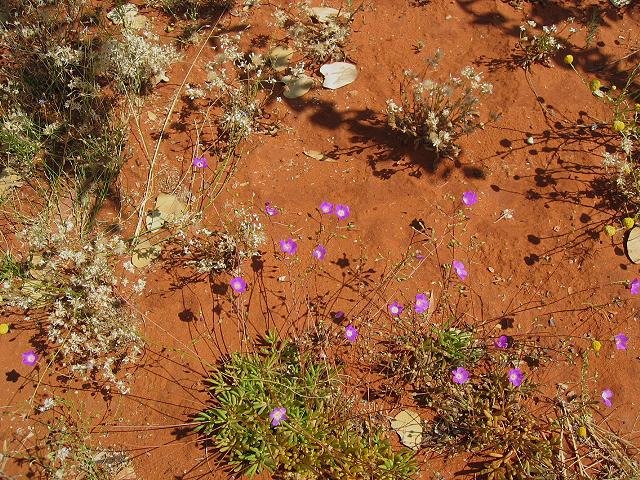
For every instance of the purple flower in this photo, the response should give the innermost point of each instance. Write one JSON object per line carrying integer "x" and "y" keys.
{"x": 422, "y": 303}
{"x": 395, "y": 309}
{"x": 458, "y": 267}
{"x": 516, "y": 377}
{"x": 460, "y": 375}
{"x": 29, "y": 358}
{"x": 342, "y": 211}
{"x": 502, "y": 342}
{"x": 469, "y": 198}
{"x": 270, "y": 210}
{"x": 200, "y": 162}
{"x": 635, "y": 287}
{"x": 277, "y": 415}
{"x": 319, "y": 252}
{"x": 326, "y": 208}
{"x": 607, "y": 395}
{"x": 621, "y": 341}
{"x": 351, "y": 333}
{"x": 288, "y": 246}
{"x": 238, "y": 285}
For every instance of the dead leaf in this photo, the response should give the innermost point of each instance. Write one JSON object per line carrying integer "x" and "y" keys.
{"x": 316, "y": 155}
{"x": 170, "y": 208}
{"x": 432, "y": 305}
{"x": 324, "y": 14}
{"x": 123, "y": 14}
{"x": 34, "y": 289}
{"x": 297, "y": 86}
{"x": 408, "y": 426}
{"x": 137, "y": 22}
{"x": 159, "y": 77}
{"x": 9, "y": 179}
{"x": 338, "y": 74}
{"x": 37, "y": 272}
{"x": 280, "y": 58}
{"x": 127, "y": 473}
{"x": 633, "y": 245}
{"x": 154, "y": 220}
{"x": 144, "y": 253}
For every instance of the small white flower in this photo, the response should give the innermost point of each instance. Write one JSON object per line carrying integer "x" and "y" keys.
{"x": 48, "y": 404}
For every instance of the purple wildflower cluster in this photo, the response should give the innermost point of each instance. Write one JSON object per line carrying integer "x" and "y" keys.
{"x": 340, "y": 211}
{"x": 461, "y": 375}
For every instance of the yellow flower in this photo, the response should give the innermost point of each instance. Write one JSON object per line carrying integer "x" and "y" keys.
{"x": 595, "y": 84}
{"x": 628, "y": 222}
{"x": 4, "y": 328}
{"x": 610, "y": 230}
{"x": 618, "y": 126}
{"x": 568, "y": 59}
{"x": 596, "y": 345}
{"x": 637, "y": 106}
{"x": 582, "y": 431}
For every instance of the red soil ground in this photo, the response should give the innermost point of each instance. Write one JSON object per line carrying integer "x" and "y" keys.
{"x": 552, "y": 251}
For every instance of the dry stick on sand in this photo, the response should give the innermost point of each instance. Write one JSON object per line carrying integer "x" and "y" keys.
{"x": 150, "y": 175}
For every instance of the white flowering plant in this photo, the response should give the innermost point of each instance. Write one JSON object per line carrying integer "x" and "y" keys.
{"x": 538, "y": 44}
{"x": 139, "y": 62}
{"x": 624, "y": 125}
{"x": 57, "y": 119}
{"x": 58, "y": 444}
{"x": 223, "y": 249}
{"x": 69, "y": 288}
{"x": 435, "y": 114}
{"x": 320, "y": 38}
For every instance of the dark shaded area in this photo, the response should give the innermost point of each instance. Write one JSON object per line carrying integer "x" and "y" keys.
{"x": 386, "y": 152}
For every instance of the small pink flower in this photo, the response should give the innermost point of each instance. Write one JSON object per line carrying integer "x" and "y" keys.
{"x": 30, "y": 358}
{"x": 621, "y": 341}
{"x": 460, "y": 270}
{"x": 238, "y": 285}
{"x": 342, "y": 211}
{"x": 319, "y": 252}
{"x": 326, "y": 208}
{"x": 277, "y": 415}
{"x": 289, "y": 246}
{"x": 502, "y": 342}
{"x": 395, "y": 309}
{"x": 460, "y": 375}
{"x": 635, "y": 286}
{"x": 200, "y": 162}
{"x": 607, "y": 395}
{"x": 351, "y": 333}
{"x": 422, "y": 303}
{"x": 270, "y": 210}
{"x": 469, "y": 198}
{"x": 516, "y": 377}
